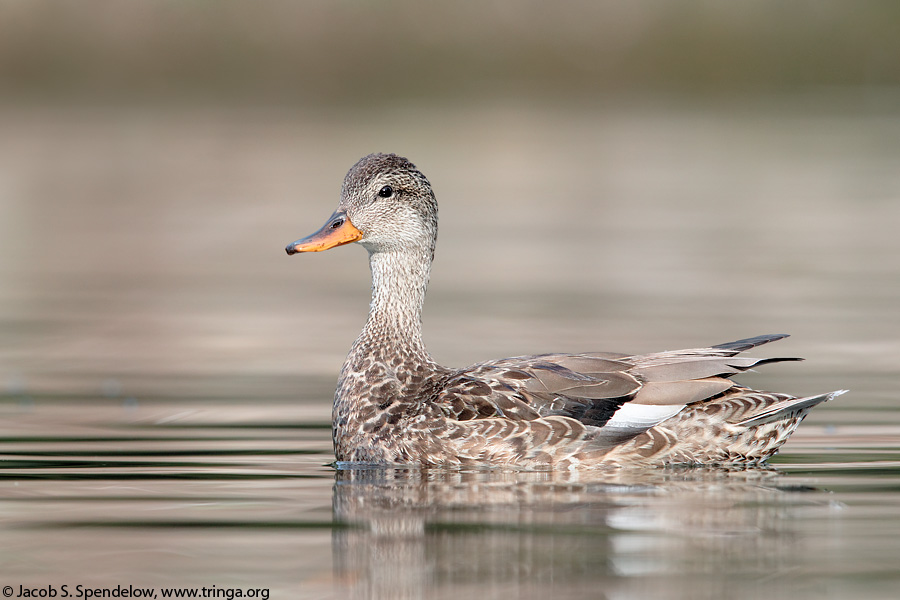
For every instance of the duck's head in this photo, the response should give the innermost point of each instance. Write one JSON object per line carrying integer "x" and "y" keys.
{"x": 387, "y": 205}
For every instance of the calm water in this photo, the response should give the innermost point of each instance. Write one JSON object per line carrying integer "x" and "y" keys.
{"x": 168, "y": 371}
{"x": 204, "y": 494}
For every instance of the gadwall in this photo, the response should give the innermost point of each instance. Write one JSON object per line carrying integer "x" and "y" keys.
{"x": 395, "y": 405}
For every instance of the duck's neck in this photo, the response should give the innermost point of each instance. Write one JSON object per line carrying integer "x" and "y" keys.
{"x": 399, "y": 280}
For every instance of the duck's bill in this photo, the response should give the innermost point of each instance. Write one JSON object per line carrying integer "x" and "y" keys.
{"x": 336, "y": 232}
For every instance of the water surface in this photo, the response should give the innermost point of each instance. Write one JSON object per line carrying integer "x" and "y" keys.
{"x": 226, "y": 495}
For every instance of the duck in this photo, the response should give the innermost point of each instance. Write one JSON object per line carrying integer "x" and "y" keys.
{"x": 394, "y": 405}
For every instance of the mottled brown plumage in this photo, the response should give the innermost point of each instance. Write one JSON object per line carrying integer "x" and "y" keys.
{"x": 394, "y": 404}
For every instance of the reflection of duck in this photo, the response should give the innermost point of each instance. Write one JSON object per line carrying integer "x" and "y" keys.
{"x": 394, "y": 404}
{"x": 620, "y": 533}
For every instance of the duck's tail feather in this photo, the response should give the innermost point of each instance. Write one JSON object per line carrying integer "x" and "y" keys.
{"x": 747, "y": 344}
{"x": 785, "y": 410}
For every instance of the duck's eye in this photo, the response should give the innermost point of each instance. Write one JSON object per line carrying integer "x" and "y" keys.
{"x": 386, "y": 192}
{"x": 337, "y": 223}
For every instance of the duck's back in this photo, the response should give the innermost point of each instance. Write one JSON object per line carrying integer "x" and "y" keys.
{"x": 616, "y": 409}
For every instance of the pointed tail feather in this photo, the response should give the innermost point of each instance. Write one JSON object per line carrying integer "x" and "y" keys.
{"x": 784, "y": 410}
{"x": 747, "y": 344}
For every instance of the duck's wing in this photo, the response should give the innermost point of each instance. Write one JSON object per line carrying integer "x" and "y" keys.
{"x": 621, "y": 395}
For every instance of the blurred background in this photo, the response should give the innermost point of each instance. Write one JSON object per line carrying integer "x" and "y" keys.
{"x": 612, "y": 176}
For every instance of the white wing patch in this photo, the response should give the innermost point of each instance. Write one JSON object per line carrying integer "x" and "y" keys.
{"x": 643, "y": 416}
